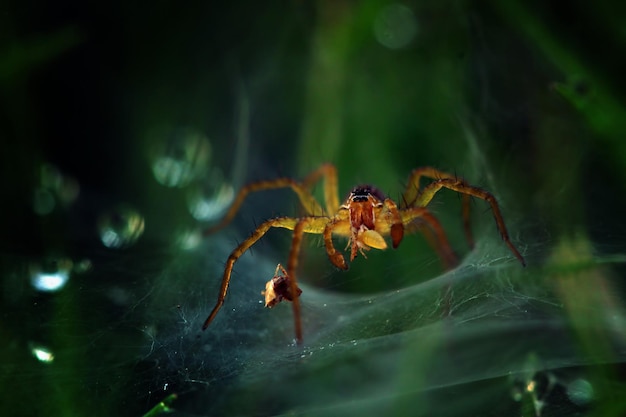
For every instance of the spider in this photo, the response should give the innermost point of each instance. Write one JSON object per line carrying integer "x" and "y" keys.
{"x": 365, "y": 218}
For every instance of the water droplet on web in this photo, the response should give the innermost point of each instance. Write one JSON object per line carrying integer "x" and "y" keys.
{"x": 517, "y": 392}
{"x": 180, "y": 156}
{"x": 50, "y": 275}
{"x": 68, "y": 192}
{"x": 50, "y": 177}
{"x": 43, "y": 201}
{"x": 580, "y": 391}
{"x": 209, "y": 199}
{"x": 189, "y": 239}
{"x": 83, "y": 266}
{"x": 395, "y": 26}
{"x": 120, "y": 227}
{"x": 54, "y": 187}
{"x": 119, "y": 295}
{"x": 42, "y": 353}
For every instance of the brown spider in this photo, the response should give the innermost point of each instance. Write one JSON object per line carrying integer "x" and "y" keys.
{"x": 365, "y": 218}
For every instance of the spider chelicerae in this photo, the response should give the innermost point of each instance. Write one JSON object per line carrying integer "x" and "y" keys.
{"x": 365, "y": 218}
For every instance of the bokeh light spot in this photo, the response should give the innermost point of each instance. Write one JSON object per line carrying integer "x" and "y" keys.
{"x": 120, "y": 227}
{"x": 395, "y": 26}
{"x": 43, "y": 201}
{"x": 42, "y": 354}
{"x": 209, "y": 199}
{"x": 580, "y": 391}
{"x": 52, "y": 276}
{"x": 189, "y": 239}
{"x": 51, "y": 177}
{"x": 54, "y": 188}
{"x": 180, "y": 156}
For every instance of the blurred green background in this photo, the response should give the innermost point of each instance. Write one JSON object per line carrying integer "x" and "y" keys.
{"x": 126, "y": 128}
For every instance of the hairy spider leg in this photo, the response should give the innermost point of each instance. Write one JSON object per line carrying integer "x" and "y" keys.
{"x": 434, "y": 233}
{"x": 302, "y": 190}
{"x": 460, "y": 186}
{"x": 314, "y": 225}
{"x": 341, "y": 223}
{"x": 413, "y": 191}
{"x": 292, "y": 264}
{"x": 331, "y": 193}
{"x": 397, "y": 225}
{"x": 437, "y": 238}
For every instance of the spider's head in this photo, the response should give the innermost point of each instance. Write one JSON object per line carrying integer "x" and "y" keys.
{"x": 363, "y": 193}
{"x": 363, "y": 204}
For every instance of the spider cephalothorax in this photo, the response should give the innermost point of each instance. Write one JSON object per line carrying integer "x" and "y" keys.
{"x": 364, "y": 219}
{"x": 368, "y": 206}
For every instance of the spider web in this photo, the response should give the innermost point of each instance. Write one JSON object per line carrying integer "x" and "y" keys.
{"x": 538, "y": 338}
{"x": 379, "y": 353}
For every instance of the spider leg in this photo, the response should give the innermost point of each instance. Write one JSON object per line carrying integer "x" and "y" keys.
{"x": 335, "y": 257}
{"x": 434, "y": 233}
{"x": 302, "y": 190}
{"x": 308, "y": 224}
{"x": 292, "y": 264}
{"x": 311, "y": 206}
{"x": 260, "y": 231}
{"x": 397, "y": 226}
{"x": 413, "y": 194}
{"x": 460, "y": 186}
{"x": 331, "y": 195}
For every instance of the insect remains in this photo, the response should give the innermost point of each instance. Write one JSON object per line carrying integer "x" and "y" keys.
{"x": 278, "y": 288}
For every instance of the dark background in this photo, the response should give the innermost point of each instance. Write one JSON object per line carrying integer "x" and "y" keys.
{"x": 525, "y": 99}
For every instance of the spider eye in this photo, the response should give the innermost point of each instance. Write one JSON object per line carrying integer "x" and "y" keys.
{"x": 361, "y": 193}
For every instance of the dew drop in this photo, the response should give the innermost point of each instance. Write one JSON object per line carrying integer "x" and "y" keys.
{"x": 189, "y": 239}
{"x": 119, "y": 296}
{"x": 54, "y": 186}
{"x": 68, "y": 192}
{"x": 50, "y": 275}
{"x": 517, "y": 392}
{"x": 42, "y": 353}
{"x": 180, "y": 156}
{"x": 395, "y": 26}
{"x": 50, "y": 177}
{"x": 43, "y": 201}
{"x": 83, "y": 266}
{"x": 209, "y": 199}
{"x": 580, "y": 391}
{"x": 120, "y": 227}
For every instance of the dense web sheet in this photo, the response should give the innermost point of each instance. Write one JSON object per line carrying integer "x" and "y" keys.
{"x": 394, "y": 350}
